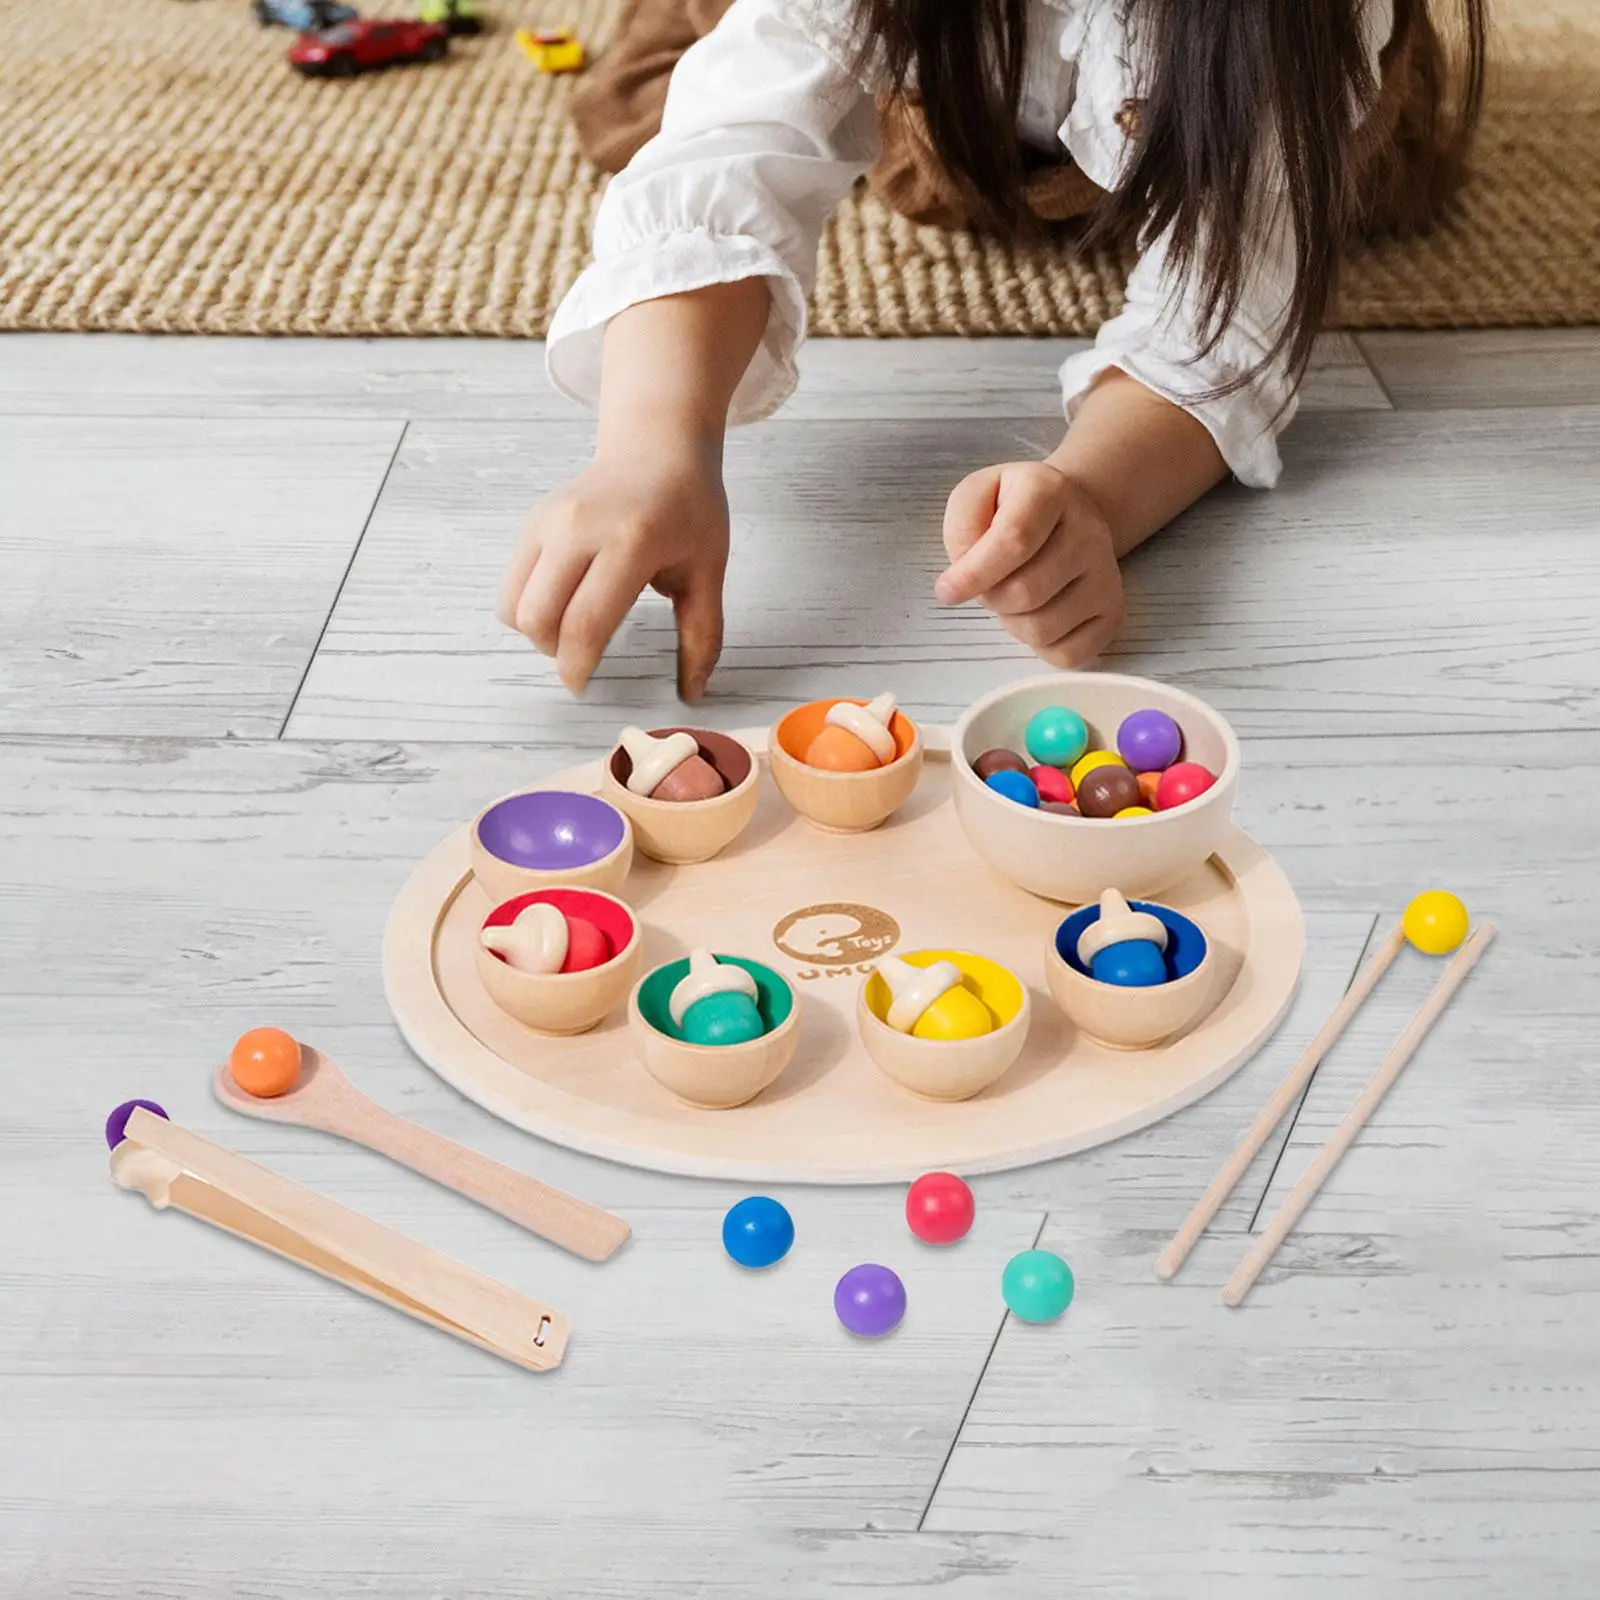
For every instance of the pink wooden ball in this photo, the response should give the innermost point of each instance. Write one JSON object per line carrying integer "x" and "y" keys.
{"x": 1052, "y": 784}
{"x": 1180, "y": 784}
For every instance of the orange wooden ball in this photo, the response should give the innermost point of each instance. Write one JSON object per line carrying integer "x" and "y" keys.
{"x": 265, "y": 1062}
{"x": 836, "y": 749}
{"x": 1149, "y": 782}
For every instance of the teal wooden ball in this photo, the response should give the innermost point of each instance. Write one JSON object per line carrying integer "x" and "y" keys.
{"x": 1056, "y": 737}
{"x": 1037, "y": 1286}
{"x": 722, "y": 1019}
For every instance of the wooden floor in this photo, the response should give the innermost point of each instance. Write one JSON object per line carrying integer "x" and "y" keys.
{"x": 249, "y": 675}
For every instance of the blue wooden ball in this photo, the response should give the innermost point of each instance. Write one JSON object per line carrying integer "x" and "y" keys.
{"x": 1016, "y": 786}
{"x": 1133, "y": 964}
{"x": 757, "y": 1232}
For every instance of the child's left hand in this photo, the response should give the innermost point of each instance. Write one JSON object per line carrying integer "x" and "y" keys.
{"x": 1036, "y": 549}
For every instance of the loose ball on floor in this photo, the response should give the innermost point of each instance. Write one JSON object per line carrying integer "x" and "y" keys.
{"x": 939, "y": 1208}
{"x": 1037, "y": 1286}
{"x": 870, "y": 1300}
{"x": 757, "y": 1231}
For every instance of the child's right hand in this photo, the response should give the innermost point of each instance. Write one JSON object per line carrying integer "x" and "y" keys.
{"x": 655, "y": 514}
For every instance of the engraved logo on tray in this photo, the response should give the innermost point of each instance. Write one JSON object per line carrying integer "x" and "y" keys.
{"x": 837, "y": 939}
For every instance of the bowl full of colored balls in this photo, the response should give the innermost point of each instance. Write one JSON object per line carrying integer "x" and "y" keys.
{"x": 1073, "y": 783}
{"x": 714, "y": 1029}
{"x": 558, "y": 960}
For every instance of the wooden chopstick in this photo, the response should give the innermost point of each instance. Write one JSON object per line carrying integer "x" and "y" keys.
{"x": 1342, "y": 1137}
{"x": 1272, "y": 1113}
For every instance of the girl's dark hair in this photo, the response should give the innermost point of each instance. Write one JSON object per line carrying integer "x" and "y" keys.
{"x": 1230, "y": 86}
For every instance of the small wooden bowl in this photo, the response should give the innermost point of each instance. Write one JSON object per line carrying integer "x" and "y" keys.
{"x": 842, "y": 802}
{"x": 564, "y": 1002}
{"x": 948, "y": 1069}
{"x": 713, "y": 1076}
{"x": 683, "y": 832}
{"x": 1133, "y": 1019}
{"x": 1076, "y": 859}
{"x": 540, "y": 838}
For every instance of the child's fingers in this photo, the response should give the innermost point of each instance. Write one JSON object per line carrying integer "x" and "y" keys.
{"x": 1074, "y": 626}
{"x": 1057, "y": 618}
{"x": 969, "y": 511}
{"x": 698, "y": 610}
{"x": 1023, "y": 520}
{"x": 552, "y": 584}
{"x": 1038, "y": 580}
{"x": 523, "y": 561}
{"x": 595, "y": 612}
{"x": 1083, "y": 644}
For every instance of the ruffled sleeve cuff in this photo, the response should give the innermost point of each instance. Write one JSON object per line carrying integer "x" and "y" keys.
{"x": 1244, "y": 428}
{"x": 675, "y": 263}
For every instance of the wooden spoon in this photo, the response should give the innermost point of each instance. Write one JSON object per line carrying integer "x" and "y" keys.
{"x": 322, "y": 1097}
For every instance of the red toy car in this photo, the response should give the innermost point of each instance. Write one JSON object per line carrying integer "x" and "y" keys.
{"x": 361, "y": 46}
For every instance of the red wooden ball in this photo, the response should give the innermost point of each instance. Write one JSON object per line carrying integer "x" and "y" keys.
{"x": 1180, "y": 784}
{"x": 939, "y": 1208}
{"x": 1052, "y": 784}
{"x": 587, "y": 946}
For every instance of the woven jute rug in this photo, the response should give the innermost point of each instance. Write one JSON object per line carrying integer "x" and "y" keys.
{"x": 163, "y": 169}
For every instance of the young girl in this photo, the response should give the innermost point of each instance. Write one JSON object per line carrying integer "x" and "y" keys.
{"x": 1241, "y": 143}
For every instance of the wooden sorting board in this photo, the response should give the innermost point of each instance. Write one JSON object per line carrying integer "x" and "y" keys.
{"x": 819, "y": 908}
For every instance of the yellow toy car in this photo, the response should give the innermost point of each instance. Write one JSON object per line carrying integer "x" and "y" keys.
{"x": 552, "y": 49}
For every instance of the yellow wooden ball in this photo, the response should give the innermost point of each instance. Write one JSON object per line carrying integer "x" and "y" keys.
{"x": 1136, "y": 811}
{"x": 957, "y": 1014}
{"x": 1095, "y": 758}
{"x": 1436, "y": 922}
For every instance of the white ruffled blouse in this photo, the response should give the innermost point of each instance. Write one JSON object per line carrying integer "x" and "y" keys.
{"x": 766, "y": 128}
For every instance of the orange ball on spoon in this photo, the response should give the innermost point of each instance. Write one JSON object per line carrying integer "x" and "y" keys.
{"x": 265, "y": 1063}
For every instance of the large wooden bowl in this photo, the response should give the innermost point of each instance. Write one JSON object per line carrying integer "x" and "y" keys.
{"x": 1076, "y": 859}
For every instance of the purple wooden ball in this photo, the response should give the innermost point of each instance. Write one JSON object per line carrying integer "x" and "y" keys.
{"x": 117, "y": 1122}
{"x": 870, "y": 1300}
{"x": 1149, "y": 741}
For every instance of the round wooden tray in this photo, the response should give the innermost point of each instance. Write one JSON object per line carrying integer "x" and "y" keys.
{"x": 820, "y": 908}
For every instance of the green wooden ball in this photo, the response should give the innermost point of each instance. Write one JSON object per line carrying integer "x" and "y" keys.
{"x": 1056, "y": 737}
{"x": 723, "y": 1019}
{"x": 1037, "y": 1285}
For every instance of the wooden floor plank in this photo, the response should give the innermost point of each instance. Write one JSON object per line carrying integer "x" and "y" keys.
{"x": 1478, "y": 368}
{"x": 503, "y": 379}
{"x": 171, "y": 576}
{"x": 1495, "y": 1118}
{"x": 1413, "y": 574}
{"x": 204, "y": 1399}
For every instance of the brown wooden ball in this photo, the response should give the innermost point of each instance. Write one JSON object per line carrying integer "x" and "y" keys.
{"x": 1107, "y": 790}
{"x": 993, "y": 761}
